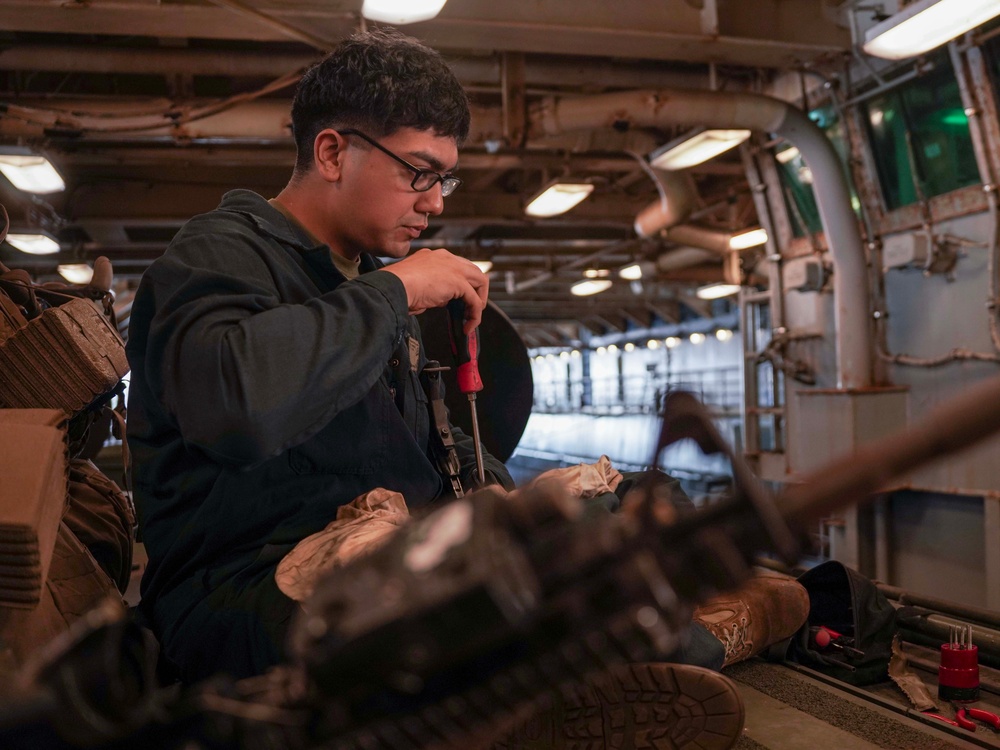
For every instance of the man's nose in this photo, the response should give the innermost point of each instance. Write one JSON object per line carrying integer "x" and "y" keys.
{"x": 431, "y": 201}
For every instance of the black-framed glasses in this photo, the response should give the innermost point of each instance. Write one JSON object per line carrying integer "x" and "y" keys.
{"x": 423, "y": 179}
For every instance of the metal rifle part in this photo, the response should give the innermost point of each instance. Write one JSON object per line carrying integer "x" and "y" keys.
{"x": 466, "y": 351}
{"x": 442, "y": 441}
{"x": 476, "y": 611}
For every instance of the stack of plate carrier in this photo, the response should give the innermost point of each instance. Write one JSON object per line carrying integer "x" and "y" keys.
{"x": 33, "y": 477}
{"x": 63, "y": 359}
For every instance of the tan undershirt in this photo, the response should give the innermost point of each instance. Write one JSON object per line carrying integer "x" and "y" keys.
{"x": 349, "y": 268}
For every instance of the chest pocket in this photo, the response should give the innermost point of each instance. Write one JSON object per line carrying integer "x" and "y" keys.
{"x": 355, "y": 442}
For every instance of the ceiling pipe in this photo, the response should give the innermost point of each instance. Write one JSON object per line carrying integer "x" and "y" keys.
{"x": 149, "y": 119}
{"x": 677, "y": 200}
{"x": 683, "y": 257}
{"x": 664, "y": 108}
{"x": 713, "y": 240}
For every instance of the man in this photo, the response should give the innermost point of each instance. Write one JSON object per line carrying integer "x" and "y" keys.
{"x": 275, "y": 365}
{"x": 275, "y": 362}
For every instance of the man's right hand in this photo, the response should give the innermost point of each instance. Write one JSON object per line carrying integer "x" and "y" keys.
{"x": 433, "y": 278}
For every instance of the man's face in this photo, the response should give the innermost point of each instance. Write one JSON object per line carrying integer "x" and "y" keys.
{"x": 381, "y": 214}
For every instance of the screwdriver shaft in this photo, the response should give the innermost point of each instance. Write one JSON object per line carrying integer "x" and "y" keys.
{"x": 475, "y": 439}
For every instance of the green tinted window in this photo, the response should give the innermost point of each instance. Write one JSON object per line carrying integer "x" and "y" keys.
{"x": 796, "y": 177}
{"x": 920, "y": 138}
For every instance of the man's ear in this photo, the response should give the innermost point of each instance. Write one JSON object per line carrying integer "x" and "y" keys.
{"x": 328, "y": 154}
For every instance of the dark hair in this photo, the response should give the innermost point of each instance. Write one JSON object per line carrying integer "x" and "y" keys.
{"x": 378, "y": 82}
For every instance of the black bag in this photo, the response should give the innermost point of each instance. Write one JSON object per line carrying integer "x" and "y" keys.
{"x": 846, "y": 602}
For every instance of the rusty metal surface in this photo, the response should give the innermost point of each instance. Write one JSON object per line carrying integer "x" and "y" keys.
{"x": 962, "y": 202}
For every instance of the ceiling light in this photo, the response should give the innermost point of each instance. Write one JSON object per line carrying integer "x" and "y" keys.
{"x": 925, "y": 24}
{"x": 750, "y": 238}
{"x": 629, "y": 347}
{"x": 399, "y": 12}
{"x": 653, "y": 344}
{"x": 30, "y": 172}
{"x": 672, "y": 342}
{"x": 601, "y": 351}
{"x": 787, "y": 155}
{"x": 697, "y": 338}
{"x": 563, "y": 355}
{"x": 723, "y": 334}
{"x": 34, "y": 244}
{"x": 483, "y": 265}
{"x": 558, "y": 198}
{"x": 716, "y": 291}
{"x": 612, "y": 348}
{"x": 638, "y": 271}
{"x": 76, "y": 273}
{"x": 694, "y": 149}
{"x": 575, "y": 353}
{"x": 590, "y": 286}
{"x": 597, "y": 273}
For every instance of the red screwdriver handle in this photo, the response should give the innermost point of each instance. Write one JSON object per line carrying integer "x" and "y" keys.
{"x": 464, "y": 348}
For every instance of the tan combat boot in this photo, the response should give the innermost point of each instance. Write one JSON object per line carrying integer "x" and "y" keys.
{"x": 638, "y": 706}
{"x": 767, "y": 609}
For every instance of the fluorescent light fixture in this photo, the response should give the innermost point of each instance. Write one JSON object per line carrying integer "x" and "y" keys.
{"x": 597, "y": 273}
{"x": 558, "y": 198}
{"x": 716, "y": 291}
{"x": 723, "y": 334}
{"x": 695, "y": 149}
{"x": 750, "y": 238}
{"x": 33, "y": 244}
{"x": 483, "y": 265}
{"x": 697, "y": 338}
{"x": 638, "y": 271}
{"x": 631, "y": 273}
{"x": 30, "y": 172}
{"x": 590, "y": 286}
{"x": 787, "y": 155}
{"x": 925, "y": 24}
{"x": 76, "y": 273}
{"x": 400, "y": 12}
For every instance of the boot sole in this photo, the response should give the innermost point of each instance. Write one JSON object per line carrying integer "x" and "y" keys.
{"x": 639, "y": 707}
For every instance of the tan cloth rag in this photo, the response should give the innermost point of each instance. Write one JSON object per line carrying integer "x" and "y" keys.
{"x": 584, "y": 480}
{"x": 362, "y": 526}
{"x": 368, "y": 521}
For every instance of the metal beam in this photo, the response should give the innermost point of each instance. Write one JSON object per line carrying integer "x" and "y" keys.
{"x": 668, "y": 30}
{"x": 668, "y": 311}
{"x": 479, "y": 72}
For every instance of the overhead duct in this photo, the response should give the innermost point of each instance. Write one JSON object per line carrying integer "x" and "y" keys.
{"x": 666, "y": 108}
{"x": 677, "y": 200}
{"x": 682, "y": 257}
{"x": 714, "y": 240}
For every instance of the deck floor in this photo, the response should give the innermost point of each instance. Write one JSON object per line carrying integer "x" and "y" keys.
{"x": 794, "y": 709}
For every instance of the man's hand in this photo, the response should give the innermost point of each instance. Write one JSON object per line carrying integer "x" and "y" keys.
{"x": 433, "y": 278}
